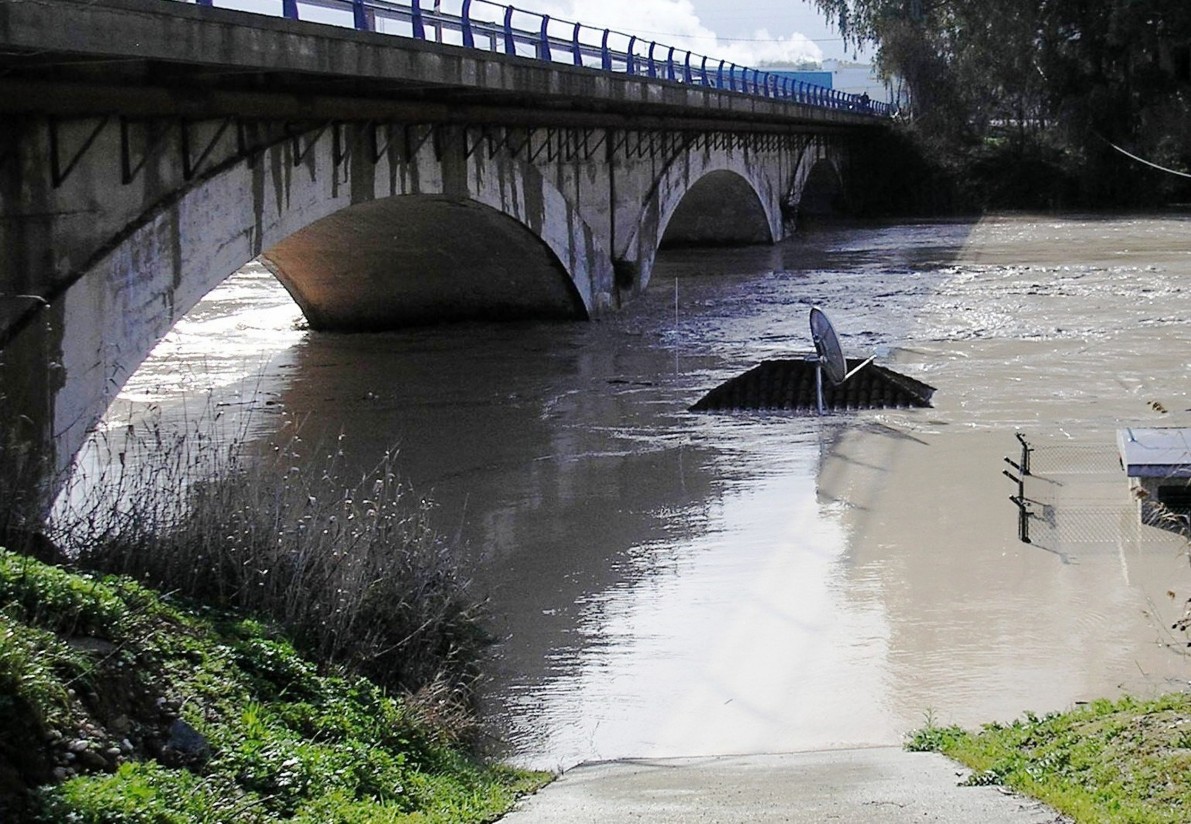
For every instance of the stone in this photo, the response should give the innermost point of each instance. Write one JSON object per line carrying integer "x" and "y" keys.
{"x": 186, "y": 745}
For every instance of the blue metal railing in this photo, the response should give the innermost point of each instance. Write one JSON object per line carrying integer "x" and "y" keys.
{"x": 481, "y": 24}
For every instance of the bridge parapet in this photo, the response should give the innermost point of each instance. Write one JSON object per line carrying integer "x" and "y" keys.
{"x": 497, "y": 28}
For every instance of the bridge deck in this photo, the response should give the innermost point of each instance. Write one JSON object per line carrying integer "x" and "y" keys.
{"x": 156, "y": 57}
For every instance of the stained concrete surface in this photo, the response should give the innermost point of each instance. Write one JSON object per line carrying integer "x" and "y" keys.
{"x": 880, "y": 784}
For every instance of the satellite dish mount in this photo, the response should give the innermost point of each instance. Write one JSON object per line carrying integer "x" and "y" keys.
{"x": 829, "y": 355}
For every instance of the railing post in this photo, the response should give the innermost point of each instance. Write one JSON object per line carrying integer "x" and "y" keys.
{"x": 289, "y": 9}
{"x": 605, "y": 55}
{"x": 510, "y": 43}
{"x": 544, "y": 40}
{"x": 652, "y": 68}
{"x": 360, "y": 15}
{"x": 205, "y": 2}
{"x": 416, "y": 18}
{"x": 756, "y": 81}
{"x": 670, "y": 65}
{"x": 719, "y": 76}
{"x": 732, "y": 77}
{"x": 632, "y": 64}
{"x": 705, "y": 80}
{"x": 575, "y": 50}
{"x": 469, "y": 39}
{"x": 687, "y": 77}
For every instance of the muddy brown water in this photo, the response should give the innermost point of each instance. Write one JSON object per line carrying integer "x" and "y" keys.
{"x": 666, "y": 583}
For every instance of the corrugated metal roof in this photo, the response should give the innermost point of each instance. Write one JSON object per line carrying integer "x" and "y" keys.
{"x": 1155, "y": 453}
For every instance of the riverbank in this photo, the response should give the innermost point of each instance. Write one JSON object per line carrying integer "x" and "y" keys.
{"x": 1122, "y": 761}
{"x": 119, "y": 704}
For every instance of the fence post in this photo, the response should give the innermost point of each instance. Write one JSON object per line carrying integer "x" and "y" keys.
{"x": 670, "y": 64}
{"x": 416, "y": 19}
{"x": 361, "y": 15}
{"x": 289, "y": 9}
{"x": 719, "y": 76}
{"x": 632, "y": 58}
{"x": 653, "y": 69}
{"x": 576, "y": 52}
{"x": 510, "y": 43}
{"x": 686, "y": 70}
{"x": 605, "y": 55}
{"x": 544, "y": 40}
{"x": 469, "y": 39}
{"x": 1026, "y": 451}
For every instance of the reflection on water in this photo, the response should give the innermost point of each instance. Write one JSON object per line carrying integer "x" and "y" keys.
{"x": 664, "y": 583}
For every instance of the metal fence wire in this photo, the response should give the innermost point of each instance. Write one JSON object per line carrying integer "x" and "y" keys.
{"x": 1065, "y": 526}
{"x": 1074, "y": 459}
{"x": 1072, "y": 496}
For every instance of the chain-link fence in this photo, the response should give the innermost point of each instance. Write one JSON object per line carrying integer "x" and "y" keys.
{"x": 1073, "y": 497}
{"x": 1075, "y": 459}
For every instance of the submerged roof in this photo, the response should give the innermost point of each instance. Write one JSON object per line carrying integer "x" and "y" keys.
{"x": 1155, "y": 453}
{"x": 789, "y": 385}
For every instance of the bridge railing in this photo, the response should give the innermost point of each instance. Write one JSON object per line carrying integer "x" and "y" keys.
{"x": 482, "y": 24}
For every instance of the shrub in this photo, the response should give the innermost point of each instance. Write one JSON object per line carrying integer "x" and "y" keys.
{"x": 349, "y": 566}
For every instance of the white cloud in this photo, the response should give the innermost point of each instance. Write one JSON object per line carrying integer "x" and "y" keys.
{"x": 675, "y": 23}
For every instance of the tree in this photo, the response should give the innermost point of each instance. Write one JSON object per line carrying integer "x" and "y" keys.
{"x": 1053, "y": 81}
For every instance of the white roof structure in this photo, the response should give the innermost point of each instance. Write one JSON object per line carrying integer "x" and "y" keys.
{"x": 1155, "y": 453}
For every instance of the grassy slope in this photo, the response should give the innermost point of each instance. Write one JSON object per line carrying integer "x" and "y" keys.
{"x": 1125, "y": 762}
{"x": 119, "y": 705}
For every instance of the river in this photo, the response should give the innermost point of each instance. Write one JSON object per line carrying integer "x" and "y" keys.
{"x": 664, "y": 583}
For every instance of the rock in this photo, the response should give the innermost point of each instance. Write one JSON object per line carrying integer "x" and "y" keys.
{"x": 93, "y": 760}
{"x": 60, "y": 774}
{"x": 77, "y": 745}
{"x": 186, "y": 746}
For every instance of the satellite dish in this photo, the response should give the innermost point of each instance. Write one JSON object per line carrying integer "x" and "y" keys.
{"x": 831, "y": 354}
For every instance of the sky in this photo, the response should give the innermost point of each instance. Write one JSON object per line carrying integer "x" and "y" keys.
{"x": 746, "y": 32}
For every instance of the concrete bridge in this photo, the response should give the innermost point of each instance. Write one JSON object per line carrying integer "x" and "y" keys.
{"x": 149, "y": 149}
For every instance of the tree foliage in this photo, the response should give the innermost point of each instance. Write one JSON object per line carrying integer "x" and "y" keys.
{"x": 1050, "y": 82}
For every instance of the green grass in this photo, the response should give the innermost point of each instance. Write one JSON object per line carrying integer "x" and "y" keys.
{"x": 1125, "y": 762}
{"x": 102, "y": 665}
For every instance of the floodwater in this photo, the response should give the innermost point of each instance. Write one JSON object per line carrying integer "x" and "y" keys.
{"x": 664, "y": 583}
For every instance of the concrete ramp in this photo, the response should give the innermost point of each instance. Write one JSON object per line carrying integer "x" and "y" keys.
{"x": 789, "y": 385}
{"x": 883, "y": 784}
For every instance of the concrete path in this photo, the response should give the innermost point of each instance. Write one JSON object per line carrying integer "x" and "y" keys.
{"x": 882, "y": 784}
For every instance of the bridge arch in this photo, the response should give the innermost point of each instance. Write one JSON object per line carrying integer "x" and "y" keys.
{"x": 817, "y": 187}
{"x": 384, "y": 263}
{"x": 305, "y": 221}
{"x": 740, "y": 184}
{"x": 721, "y": 208}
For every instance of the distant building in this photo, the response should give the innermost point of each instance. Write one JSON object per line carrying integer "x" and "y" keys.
{"x": 814, "y": 78}
{"x": 849, "y": 78}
